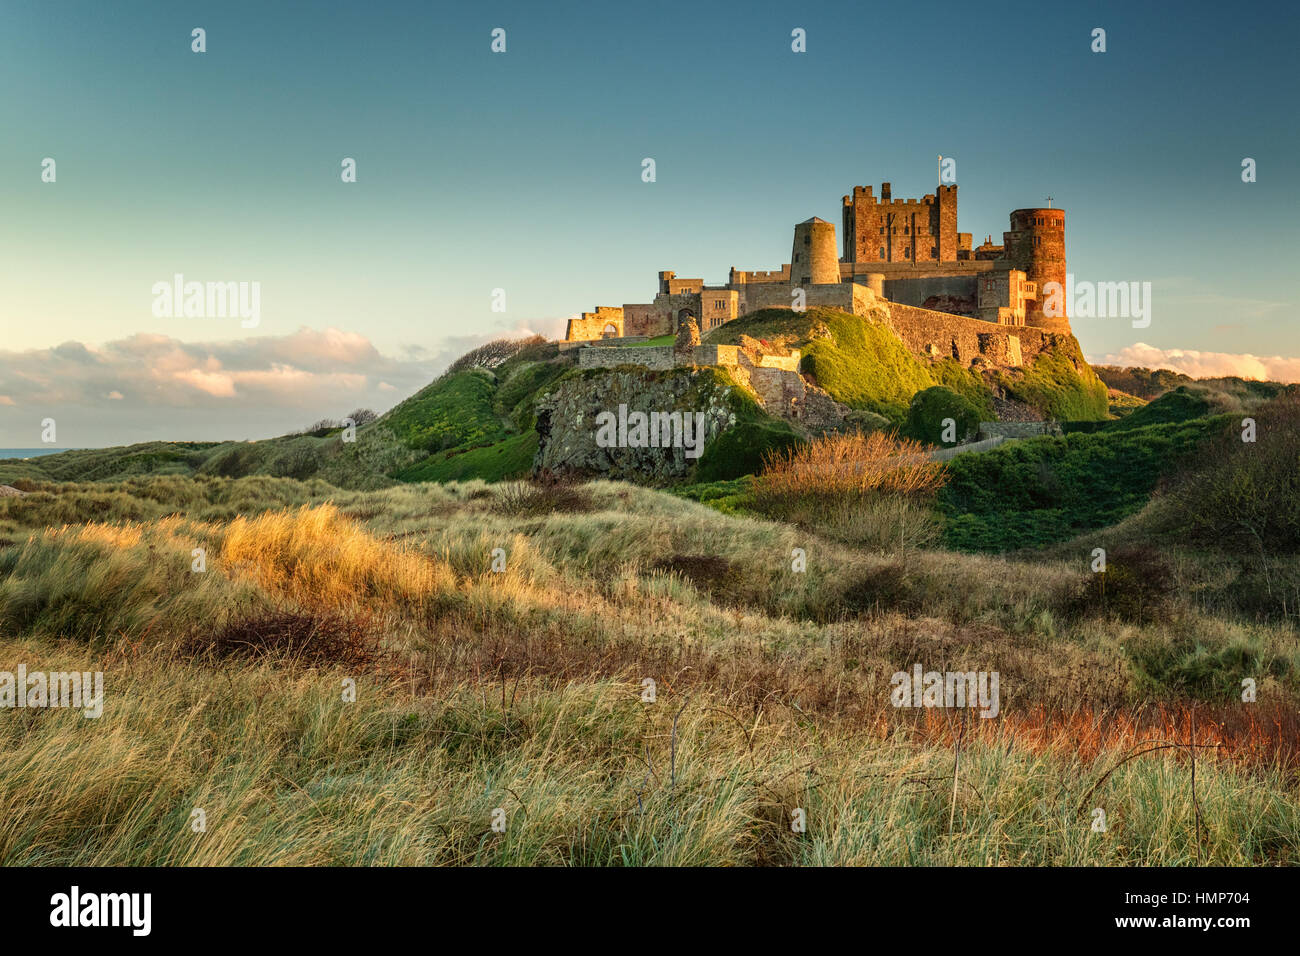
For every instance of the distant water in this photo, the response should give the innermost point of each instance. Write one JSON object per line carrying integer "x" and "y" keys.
{"x": 29, "y": 452}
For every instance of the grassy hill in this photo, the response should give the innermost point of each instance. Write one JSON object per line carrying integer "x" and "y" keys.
{"x": 477, "y": 419}
{"x": 862, "y": 363}
{"x": 474, "y": 421}
{"x": 1029, "y": 493}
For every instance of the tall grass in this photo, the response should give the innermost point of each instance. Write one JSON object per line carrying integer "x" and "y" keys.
{"x": 873, "y": 490}
{"x": 318, "y": 555}
{"x": 521, "y": 690}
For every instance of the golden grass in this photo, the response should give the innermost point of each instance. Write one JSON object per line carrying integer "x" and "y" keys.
{"x": 316, "y": 554}
{"x": 854, "y": 464}
{"x": 521, "y": 690}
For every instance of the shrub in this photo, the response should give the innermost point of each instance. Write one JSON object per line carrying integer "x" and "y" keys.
{"x": 1245, "y": 496}
{"x": 493, "y": 353}
{"x": 872, "y": 489}
{"x": 1138, "y": 585}
{"x": 297, "y": 461}
{"x": 299, "y": 636}
{"x": 928, "y": 411}
{"x": 741, "y": 450}
{"x": 548, "y": 495}
{"x": 856, "y": 465}
{"x": 1039, "y": 490}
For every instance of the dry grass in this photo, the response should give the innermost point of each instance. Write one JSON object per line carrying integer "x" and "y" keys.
{"x": 854, "y": 465}
{"x": 521, "y": 690}
{"x": 872, "y": 491}
{"x": 316, "y": 554}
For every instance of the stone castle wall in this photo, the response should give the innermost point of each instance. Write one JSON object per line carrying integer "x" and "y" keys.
{"x": 656, "y": 356}
{"x": 941, "y": 335}
{"x": 845, "y": 296}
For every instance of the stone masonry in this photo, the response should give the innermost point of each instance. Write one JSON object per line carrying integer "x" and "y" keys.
{"x": 907, "y": 252}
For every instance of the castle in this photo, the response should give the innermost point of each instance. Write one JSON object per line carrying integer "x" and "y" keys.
{"x": 907, "y": 252}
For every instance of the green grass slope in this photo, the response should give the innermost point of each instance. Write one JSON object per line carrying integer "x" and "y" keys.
{"x": 471, "y": 422}
{"x": 1034, "y": 492}
{"x": 857, "y": 359}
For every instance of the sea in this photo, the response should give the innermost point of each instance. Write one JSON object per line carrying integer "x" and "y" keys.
{"x": 29, "y": 452}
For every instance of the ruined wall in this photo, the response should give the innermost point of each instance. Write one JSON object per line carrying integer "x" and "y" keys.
{"x": 652, "y": 356}
{"x": 939, "y": 335}
{"x": 1017, "y": 429}
{"x": 567, "y": 346}
{"x": 595, "y": 325}
{"x": 643, "y": 319}
{"x": 657, "y": 356}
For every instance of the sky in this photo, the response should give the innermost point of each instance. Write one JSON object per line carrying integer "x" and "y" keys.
{"x": 521, "y": 171}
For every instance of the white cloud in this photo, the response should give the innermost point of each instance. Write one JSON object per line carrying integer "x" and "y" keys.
{"x": 1197, "y": 364}
{"x": 150, "y": 386}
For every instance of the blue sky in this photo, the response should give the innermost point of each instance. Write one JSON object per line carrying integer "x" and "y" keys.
{"x": 521, "y": 171}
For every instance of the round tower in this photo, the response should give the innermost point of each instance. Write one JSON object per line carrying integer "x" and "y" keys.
{"x": 813, "y": 260}
{"x": 1036, "y": 246}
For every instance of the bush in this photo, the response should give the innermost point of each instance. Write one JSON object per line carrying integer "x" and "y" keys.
{"x": 1138, "y": 585}
{"x": 741, "y": 450}
{"x": 872, "y": 490}
{"x": 493, "y": 353}
{"x": 928, "y": 411}
{"x": 1039, "y": 490}
{"x": 1244, "y": 496}
{"x": 550, "y": 495}
{"x": 297, "y": 461}
{"x": 304, "y": 637}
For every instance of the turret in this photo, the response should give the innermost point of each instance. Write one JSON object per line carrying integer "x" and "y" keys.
{"x": 813, "y": 259}
{"x": 1036, "y": 246}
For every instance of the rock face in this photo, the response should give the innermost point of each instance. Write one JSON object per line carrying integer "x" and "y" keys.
{"x": 570, "y": 415}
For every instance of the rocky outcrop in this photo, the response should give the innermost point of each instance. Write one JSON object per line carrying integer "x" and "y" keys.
{"x": 570, "y": 415}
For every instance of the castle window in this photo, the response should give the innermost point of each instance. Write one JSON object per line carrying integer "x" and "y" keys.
{"x": 882, "y": 230}
{"x": 907, "y": 253}
{"x": 882, "y": 252}
{"x": 796, "y": 257}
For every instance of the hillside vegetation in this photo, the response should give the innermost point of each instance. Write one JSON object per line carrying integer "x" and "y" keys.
{"x": 522, "y": 690}
{"x": 476, "y": 420}
{"x": 862, "y": 363}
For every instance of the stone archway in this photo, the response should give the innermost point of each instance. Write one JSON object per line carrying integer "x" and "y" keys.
{"x": 610, "y": 331}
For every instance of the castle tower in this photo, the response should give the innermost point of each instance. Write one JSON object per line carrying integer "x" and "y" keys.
{"x": 1036, "y": 246}
{"x": 813, "y": 259}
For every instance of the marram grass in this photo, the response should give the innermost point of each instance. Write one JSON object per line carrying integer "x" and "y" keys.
{"x": 516, "y": 696}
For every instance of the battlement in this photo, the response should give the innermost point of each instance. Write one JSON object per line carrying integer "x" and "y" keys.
{"x": 904, "y": 251}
